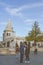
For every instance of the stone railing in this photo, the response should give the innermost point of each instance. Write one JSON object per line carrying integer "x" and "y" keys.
{"x": 6, "y": 51}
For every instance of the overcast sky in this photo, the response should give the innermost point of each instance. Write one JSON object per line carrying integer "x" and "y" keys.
{"x": 22, "y": 13}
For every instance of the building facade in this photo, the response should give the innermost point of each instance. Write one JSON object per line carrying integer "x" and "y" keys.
{"x": 8, "y": 36}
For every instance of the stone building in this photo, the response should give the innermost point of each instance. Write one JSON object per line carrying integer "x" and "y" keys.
{"x": 8, "y": 35}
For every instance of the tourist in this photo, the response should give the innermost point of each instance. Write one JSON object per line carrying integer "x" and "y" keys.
{"x": 17, "y": 48}
{"x": 35, "y": 50}
{"x": 27, "y": 52}
{"x": 21, "y": 52}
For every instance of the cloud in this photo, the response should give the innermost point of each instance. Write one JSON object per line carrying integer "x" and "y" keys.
{"x": 29, "y": 21}
{"x": 33, "y": 5}
{"x": 14, "y": 11}
{"x": 3, "y": 23}
{"x": 17, "y": 11}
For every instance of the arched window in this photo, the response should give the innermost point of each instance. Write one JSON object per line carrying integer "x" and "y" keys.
{"x": 8, "y": 34}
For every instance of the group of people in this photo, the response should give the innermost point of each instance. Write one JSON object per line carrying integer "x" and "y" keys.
{"x": 24, "y": 52}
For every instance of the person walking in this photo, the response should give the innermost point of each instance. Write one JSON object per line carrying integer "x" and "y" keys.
{"x": 21, "y": 52}
{"x": 35, "y": 50}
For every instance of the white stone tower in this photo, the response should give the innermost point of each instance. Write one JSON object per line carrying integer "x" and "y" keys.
{"x": 8, "y": 34}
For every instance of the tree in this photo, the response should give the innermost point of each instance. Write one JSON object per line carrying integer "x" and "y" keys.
{"x": 32, "y": 35}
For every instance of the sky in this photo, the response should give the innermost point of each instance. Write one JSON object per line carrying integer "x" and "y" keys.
{"x": 22, "y": 14}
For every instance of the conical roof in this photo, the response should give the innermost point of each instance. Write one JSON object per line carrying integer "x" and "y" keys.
{"x": 9, "y": 27}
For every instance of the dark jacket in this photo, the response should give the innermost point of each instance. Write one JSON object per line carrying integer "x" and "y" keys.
{"x": 22, "y": 49}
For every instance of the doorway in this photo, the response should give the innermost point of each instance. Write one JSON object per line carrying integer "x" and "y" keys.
{"x": 8, "y": 44}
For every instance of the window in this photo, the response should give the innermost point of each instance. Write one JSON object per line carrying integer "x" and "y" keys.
{"x": 8, "y": 34}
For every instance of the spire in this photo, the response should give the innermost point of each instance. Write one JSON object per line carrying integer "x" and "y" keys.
{"x": 9, "y": 24}
{"x": 9, "y": 27}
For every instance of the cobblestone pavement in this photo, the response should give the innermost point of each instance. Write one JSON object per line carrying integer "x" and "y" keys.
{"x": 14, "y": 59}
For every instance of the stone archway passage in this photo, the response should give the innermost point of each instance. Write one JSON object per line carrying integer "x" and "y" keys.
{"x": 8, "y": 44}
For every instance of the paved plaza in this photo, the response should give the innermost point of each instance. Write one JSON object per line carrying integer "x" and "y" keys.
{"x": 15, "y": 59}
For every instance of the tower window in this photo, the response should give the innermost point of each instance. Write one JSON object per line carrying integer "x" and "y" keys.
{"x": 8, "y": 34}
